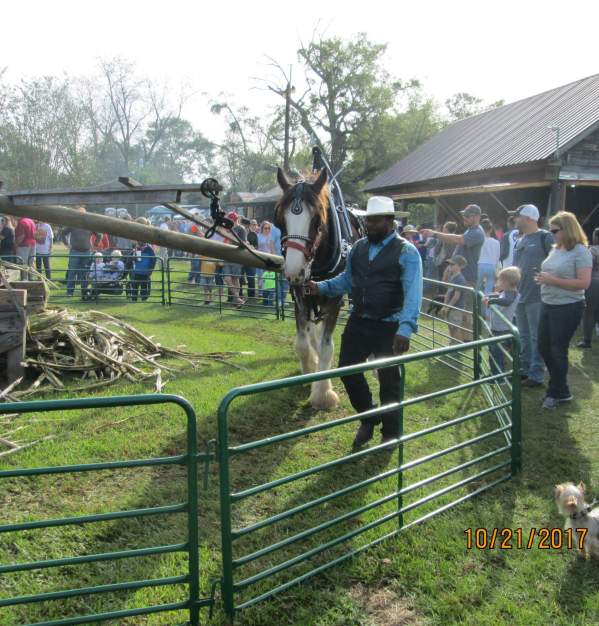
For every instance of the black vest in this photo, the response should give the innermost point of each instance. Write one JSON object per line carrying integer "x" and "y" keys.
{"x": 377, "y": 291}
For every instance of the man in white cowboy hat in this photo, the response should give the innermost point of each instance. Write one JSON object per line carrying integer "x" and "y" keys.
{"x": 384, "y": 276}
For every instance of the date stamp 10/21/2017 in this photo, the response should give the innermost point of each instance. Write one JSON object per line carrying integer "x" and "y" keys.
{"x": 520, "y": 539}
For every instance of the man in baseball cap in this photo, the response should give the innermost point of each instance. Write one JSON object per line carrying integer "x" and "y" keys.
{"x": 529, "y": 211}
{"x": 472, "y": 210}
{"x": 469, "y": 243}
{"x": 530, "y": 251}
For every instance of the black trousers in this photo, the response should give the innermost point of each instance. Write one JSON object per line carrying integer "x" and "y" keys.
{"x": 140, "y": 284}
{"x": 361, "y": 338}
{"x": 557, "y": 325}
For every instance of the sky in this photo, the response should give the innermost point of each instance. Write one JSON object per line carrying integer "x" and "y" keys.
{"x": 494, "y": 50}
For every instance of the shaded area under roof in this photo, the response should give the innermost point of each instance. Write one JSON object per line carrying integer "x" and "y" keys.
{"x": 510, "y": 135}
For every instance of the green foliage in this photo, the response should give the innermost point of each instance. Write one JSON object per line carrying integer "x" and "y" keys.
{"x": 462, "y": 105}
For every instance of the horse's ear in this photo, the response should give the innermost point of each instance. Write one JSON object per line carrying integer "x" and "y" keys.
{"x": 284, "y": 182}
{"x": 320, "y": 182}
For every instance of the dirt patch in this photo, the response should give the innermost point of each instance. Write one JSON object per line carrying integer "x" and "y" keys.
{"x": 383, "y": 607}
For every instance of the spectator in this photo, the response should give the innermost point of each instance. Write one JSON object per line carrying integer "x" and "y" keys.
{"x": 249, "y": 273}
{"x": 564, "y": 276}
{"x": 207, "y": 278}
{"x": 444, "y": 251}
{"x": 44, "y": 239}
{"x": 122, "y": 243}
{"x": 469, "y": 244}
{"x": 94, "y": 276}
{"x": 530, "y": 251}
{"x": 591, "y": 312}
{"x": 488, "y": 261}
{"x": 144, "y": 261}
{"x": 507, "y": 298}
{"x": 283, "y": 283}
{"x": 79, "y": 253}
{"x": 232, "y": 271}
{"x": 99, "y": 242}
{"x": 265, "y": 244}
{"x": 455, "y": 300}
{"x": 268, "y": 292}
{"x": 7, "y": 239}
{"x": 163, "y": 252}
{"x": 25, "y": 243}
{"x": 508, "y": 243}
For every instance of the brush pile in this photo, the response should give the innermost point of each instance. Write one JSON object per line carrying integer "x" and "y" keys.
{"x": 84, "y": 350}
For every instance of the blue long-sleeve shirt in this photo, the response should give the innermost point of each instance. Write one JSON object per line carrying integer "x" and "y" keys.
{"x": 411, "y": 279}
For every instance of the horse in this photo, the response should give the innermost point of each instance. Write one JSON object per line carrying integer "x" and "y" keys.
{"x": 303, "y": 216}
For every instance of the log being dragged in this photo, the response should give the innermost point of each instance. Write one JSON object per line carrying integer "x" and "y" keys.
{"x": 140, "y": 232}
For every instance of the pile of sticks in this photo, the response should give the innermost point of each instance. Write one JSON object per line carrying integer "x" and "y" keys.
{"x": 71, "y": 351}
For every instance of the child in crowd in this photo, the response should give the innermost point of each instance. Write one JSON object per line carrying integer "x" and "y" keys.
{"x": 507, "y": 298}
{"x": 454, "y": 300}
{"x": 207, "y": 278}
{"x": 144, "y": 261}
{"x": 95, "y": 275}
{"x": 269, "y": 286}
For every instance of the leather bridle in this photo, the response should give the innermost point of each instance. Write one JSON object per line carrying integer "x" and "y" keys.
{"x": 308, "y": 246}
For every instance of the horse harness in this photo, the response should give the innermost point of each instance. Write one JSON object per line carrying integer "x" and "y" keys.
{"x": 308, "y": 246}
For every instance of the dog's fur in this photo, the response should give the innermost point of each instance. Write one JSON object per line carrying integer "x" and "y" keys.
{"x": 570, "y": 499}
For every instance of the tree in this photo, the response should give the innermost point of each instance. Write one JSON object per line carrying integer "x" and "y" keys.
{"x": 462, "y": 105}
{"x": 247, "y": 156}
{"x": 346, "y": 87}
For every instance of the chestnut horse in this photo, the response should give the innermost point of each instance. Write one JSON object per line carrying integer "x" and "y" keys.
{"x": 302, "y": 214}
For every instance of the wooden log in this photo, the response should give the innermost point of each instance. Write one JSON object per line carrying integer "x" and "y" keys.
{"x": 140, "y": 232}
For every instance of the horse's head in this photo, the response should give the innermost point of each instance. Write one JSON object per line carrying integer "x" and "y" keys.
{"x": 301, "y": 214}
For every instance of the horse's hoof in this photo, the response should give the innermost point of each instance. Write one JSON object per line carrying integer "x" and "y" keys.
{"x": 324, "y": 401}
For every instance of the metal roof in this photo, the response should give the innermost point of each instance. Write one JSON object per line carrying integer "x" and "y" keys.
{"x": 513, "y": 134}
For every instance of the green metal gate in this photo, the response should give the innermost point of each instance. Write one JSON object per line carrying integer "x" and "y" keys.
{"x": 500, "y": 459}
{"x": 189, "y": 460}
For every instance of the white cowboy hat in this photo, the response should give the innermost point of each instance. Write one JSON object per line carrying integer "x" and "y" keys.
{"x": 377, "y": 205}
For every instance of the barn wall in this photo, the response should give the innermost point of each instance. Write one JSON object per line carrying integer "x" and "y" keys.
{"x": 586, "y": 153}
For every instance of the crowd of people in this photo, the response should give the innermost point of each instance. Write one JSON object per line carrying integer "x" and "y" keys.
{"x": 240, "y": 282}
{"x": 102, "y": 263}
{"x": 544, "y": 280}
{"x": 97, "y": 262}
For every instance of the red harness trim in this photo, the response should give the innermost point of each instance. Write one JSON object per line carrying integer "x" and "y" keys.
{"x": 297, "y": 245}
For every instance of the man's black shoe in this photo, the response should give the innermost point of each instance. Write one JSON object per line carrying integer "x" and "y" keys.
{"x": 363, "y": 435}
{"x": 529, "y": 382}
{"x": 388, "y": 439}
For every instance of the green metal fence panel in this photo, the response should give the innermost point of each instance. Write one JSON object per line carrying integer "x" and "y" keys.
{"x": 498, "y": 459}
{"x": 190, "y": 284}
{"x": 189, "y": 460}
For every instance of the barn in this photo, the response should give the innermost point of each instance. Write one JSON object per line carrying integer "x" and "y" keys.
{"x": 543, "y": 149}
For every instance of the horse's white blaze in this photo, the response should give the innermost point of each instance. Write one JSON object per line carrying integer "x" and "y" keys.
{"x": 295, "y": 260}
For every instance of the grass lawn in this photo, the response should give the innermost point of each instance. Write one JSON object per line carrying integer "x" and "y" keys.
{"x": 425, "y": 576}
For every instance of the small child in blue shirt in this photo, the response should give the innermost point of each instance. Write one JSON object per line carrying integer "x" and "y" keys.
{"x": 507, "y": 298}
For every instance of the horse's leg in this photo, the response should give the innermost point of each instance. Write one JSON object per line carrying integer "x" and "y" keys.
{"x": 303, "y": 343}
{"x": 323, "y": 396}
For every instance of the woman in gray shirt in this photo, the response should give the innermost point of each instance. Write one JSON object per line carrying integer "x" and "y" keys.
{"x": 564, "y": 276}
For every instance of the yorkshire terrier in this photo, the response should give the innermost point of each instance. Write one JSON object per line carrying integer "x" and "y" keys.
{"x": 570, "y": 503}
